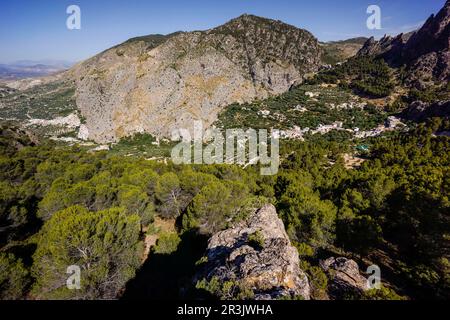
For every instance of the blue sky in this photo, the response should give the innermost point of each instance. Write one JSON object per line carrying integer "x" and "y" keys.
{"x": 36, "y": 29}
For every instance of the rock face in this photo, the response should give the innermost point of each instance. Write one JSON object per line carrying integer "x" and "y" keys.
{"x": 345, "y": 277}
{"x": 158, "y": 83}
{"x": 419, "y": 111}
{"x": 270, "y": 269}
{"x": 425, "y": 52}
{"x": 13, "y": 139}
{"x": 388, "y": 47}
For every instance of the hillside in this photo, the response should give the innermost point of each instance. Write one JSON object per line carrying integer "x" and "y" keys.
{"x": 156, "y": 84}
{"x": 339, "y": 51}
{"x": 357, "y": 209}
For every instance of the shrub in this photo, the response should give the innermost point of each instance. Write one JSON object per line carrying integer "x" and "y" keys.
{"x": 383, "y": 293}
{"x": 304, "y": 250}
{"x": 105, "y": 245}
{"x": 167, "y": 243}
{"x": 14, "y": 277}
{"x": 256, "y": 240}
{"x": 319, "y": 282}
{"x": 225, "y": 290}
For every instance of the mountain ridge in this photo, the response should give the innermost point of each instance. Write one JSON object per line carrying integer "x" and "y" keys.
{"x": 157, "y": 83}
{"x": 425, "y": 53}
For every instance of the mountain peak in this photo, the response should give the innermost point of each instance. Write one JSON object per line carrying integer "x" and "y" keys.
{"x": 246, "y": 16}
{"x": 249, "y": 20}
{"x": 151, "y": 77}
{"x": 250, "y": 17}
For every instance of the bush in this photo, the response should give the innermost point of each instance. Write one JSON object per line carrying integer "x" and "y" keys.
{"x": 359, "y": 234}
{"x": 383, "y": 293}
{"x": 105, "y": 245}
{"x": 210, "y": 209}
{"x": 319, "y": 282}
{"x": 309, "y": 219}
{"x": 256, "y": 240}
{"x": 167, "y": 243}
{"x": 225, "y": 290}
{"x": 304, "y": 250}
{"x": 169, "y": 195}
{"x": 14, "y": 277}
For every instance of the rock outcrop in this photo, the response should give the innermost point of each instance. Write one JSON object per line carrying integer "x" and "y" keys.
{"x": 345, "y": 278}
{"x": 13, "y": 139}
{"x": 420, "y": 111}
{"x": 257, "y": 255}
{"x": 425, "y": 53}
{"x": 158, "y": 83}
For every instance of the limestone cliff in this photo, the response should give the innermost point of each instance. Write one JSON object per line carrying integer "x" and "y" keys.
{"x": 159, "y": 83}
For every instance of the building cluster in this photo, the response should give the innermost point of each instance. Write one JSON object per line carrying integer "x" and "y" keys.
{"x": 296, "y": 132}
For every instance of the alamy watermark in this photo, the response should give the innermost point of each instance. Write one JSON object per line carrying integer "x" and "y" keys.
{"x": 73, "y": 22}
{"x": 74, "y": 280}
{"x": 213, "y": 147}
{"x": 374, "y": 280}
{"x": 374, "y": 20}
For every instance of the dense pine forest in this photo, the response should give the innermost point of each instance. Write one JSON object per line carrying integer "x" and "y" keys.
{"x": 96, "y": 205}
{"x": 65, "y": 206}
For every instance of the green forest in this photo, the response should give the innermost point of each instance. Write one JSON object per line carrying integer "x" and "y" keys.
{"x": 366, "y": 76}
{"x": 64, "y": 206}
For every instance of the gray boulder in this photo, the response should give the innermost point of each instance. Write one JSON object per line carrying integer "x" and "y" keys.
{"x": 345, "y": 277}
{"x": 257, "y": 255}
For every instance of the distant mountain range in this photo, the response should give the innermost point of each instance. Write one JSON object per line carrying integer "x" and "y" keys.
{"x": 31, "y": 69}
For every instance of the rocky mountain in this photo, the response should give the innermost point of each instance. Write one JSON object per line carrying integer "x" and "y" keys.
{"x": 158, "y": 83}
{"x": 425, "y": 53}
{"x": 420, "y": 111}
{"x": 257, "y": 255}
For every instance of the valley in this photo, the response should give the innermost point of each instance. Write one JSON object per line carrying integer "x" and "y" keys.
{"x": 88, "y": 177}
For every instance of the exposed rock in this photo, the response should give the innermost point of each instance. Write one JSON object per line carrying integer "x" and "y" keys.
{"x": 13, "y": 139}
{"x": 393, "y": 122}
{"x": 71, "y": 121}
{"x": 83, "y": 132}
{"x": 28, "y": 83}
{"x": 425, "y": 52}
{"x": 345, "y": 277}
{"x": 4, "y": 90}
{"x": 419, "y": 111}
{"x": 312, "y": 94}
{"x": 388, "y": 47}
{"x": 157, "y": 84}
{"x": 271, "y": 271}
{"x": 100, "y": 148}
